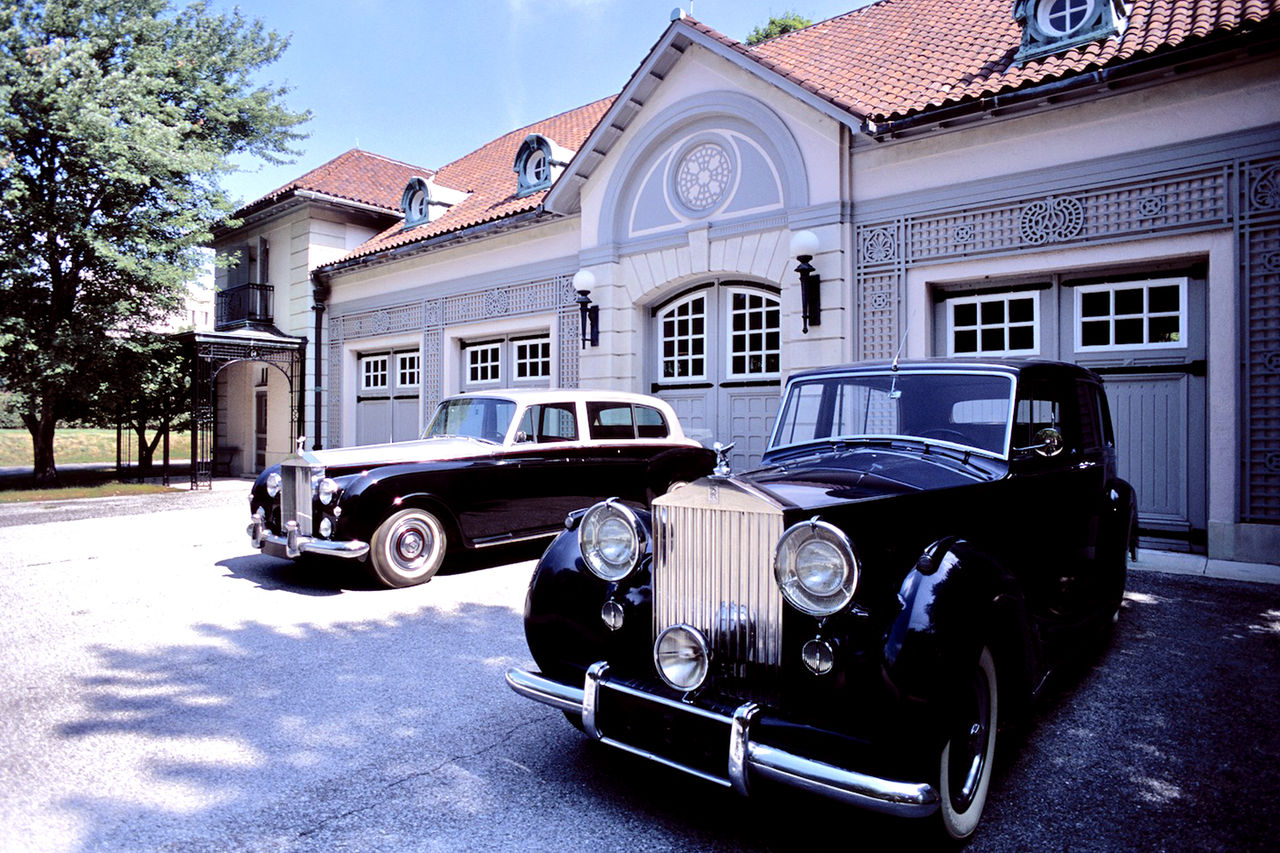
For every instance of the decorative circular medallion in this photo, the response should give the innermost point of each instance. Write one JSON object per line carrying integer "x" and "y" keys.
{"x": 1273, "y": 462}
{"x": 1051, "y": 219}
{"x": 879, "y": 301}
{"x": 1266, "y": 189}
{"x": 496, "y": 302}
{"x": 703, "y": 176}
{"x": 381, "y": 323}
{"x": 878, "y": 246}
{"x": 1151, "y": 206}
{"x": 1271, "y": 262}
{"x": 964, "y": 234}
{"x": 1272, "y": 361}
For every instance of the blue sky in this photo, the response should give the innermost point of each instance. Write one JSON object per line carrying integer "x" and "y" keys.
{"x": 426, "y": 81}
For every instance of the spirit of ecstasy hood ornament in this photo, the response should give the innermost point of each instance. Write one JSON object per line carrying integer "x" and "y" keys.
{"x": 302, "y": 443}
{"x": 722, "y": 459}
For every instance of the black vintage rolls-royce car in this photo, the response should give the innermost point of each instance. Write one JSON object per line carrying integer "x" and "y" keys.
{"x": 922, "y": 543}
{"x": 491, "y": 469}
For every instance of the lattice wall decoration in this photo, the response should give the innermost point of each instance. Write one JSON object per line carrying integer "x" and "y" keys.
{"x": 1260, "y": 252}
{"x": 433, "y": 316}
{"x": 1192, "y": 200}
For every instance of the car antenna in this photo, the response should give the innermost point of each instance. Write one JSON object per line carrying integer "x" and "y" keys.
{"x": 894, "y": 393}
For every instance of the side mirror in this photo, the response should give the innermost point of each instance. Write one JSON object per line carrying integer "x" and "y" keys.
{"x": 1048, "y": 443}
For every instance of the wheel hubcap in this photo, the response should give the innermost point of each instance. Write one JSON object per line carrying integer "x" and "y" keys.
{"x": 410, "y": 545}
{"x": 967, "y": 768}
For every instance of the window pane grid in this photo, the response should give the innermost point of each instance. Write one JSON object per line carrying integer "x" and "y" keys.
{"x": 755, "y": 341}
{"x": 1131, "y": 315}
{"x": 408, "y": 370}
{"x": 684, "y": 340}
{"x": 484, "y": 363}
{"x": 999, "y": 324}
{"x": 373, "y": 372}
{"x": 533, "y": 359}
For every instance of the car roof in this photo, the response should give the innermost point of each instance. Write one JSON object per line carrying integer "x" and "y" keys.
{"x": 531, "y": 396}
{"x": 1010, "y": 366}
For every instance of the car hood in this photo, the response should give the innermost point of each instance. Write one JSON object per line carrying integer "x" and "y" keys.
{"x": 426, "y": 450}
{"x": 865, "y": 473}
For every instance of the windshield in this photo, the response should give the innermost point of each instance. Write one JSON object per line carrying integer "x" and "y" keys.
{"x": 485, "y": 418}
{"x": 969, "y": 410}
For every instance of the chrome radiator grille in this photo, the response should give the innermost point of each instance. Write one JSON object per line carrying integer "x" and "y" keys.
{"x": 295, "y": 496}
{"x": 713, "y": 570}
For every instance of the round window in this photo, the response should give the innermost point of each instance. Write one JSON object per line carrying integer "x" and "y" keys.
{"x": 536, "y": 169}
{"x": 1064, "y": 17}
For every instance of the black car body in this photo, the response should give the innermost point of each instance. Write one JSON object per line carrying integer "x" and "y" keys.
{"x": 921, "y": 545}
{"x": 491, "y": 469}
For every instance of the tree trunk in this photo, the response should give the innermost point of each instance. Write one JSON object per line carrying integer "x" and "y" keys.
{"x": 42, "y": 429}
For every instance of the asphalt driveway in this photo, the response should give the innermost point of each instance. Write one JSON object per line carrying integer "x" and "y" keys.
{"x": 163, "y": 687}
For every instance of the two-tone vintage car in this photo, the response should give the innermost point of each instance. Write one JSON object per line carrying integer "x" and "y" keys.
{"x": 922, "y": 544}
{"x": 490, "y": 469}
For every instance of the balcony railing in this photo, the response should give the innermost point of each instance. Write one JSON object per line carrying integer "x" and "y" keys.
{"x": 246, "y": 305}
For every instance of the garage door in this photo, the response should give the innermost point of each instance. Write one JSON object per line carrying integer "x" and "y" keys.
{"x": 517, "y": 361}
{"x": 718, "y": 363}
{"x": 389, "y": 403}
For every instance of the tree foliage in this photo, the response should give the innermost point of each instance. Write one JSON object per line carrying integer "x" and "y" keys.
{"x": 146, "y": 385}
{"x": 117, "y": 120}
{"x": 778, "y": 25}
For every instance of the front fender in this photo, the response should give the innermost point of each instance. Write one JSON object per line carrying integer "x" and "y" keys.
{"x": 954, "y": 601}
{"x": 562, "y": 619}
{"x": 372, "y": 497}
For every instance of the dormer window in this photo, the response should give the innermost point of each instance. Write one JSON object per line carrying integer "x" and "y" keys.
{"x": 1054, "y": 26}
{"x": 538, "y": 163}
{"x": 425, "y": 201}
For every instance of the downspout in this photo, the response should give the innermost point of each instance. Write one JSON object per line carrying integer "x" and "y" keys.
{"x": 319, "y": 296}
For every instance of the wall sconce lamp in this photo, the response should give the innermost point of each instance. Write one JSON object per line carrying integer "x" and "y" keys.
{"x": 583, "y": 282}
{"x": 804, "y": 245}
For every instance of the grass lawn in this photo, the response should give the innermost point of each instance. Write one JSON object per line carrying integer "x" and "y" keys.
{"x": 103, "y": 490}
{"x": 84, "y": 445}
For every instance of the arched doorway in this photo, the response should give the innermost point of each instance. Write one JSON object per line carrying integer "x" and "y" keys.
{"x": 717, "y": 359}
{"x": 211, "y": 353}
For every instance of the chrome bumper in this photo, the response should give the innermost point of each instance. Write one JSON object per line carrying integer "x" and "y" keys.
{"x": 747, "y": 758}
{"x": 293, "y": 544}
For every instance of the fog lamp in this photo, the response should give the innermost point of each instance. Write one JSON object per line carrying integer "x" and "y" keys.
{"x": 326, "y": 528}
{"x": 612, "y": 615}
{"x": 818, "y": 656}
{"x": 682, "y": 657}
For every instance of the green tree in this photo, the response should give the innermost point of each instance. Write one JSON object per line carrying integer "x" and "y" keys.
{"x": 779, "y": 24}
{"x": 117, "y": 120}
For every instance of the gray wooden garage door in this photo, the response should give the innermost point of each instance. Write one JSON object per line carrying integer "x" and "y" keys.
{"x": 389, "y": 401}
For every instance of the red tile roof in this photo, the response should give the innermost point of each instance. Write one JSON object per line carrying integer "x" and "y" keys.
{"x": 487, "y": 174}
{"x": 357, "y": 176}
{"x": 897, "y": 57}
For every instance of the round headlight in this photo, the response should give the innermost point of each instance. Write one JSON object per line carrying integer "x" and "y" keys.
{"x": 816, "y": 568}
{"x": 327, "y": 490}
{"x": 682, "y": 657}
{"x": 610, "y": 539}
{"x": 273, "y": 484}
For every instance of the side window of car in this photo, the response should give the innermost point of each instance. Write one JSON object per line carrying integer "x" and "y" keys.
{"x": 558, "y": 423}
{"x": 1047, "y": 408}
{"x": 1091, "y": 431}
{"x": 610, "y": 421}
{"x": 650, "y": 423}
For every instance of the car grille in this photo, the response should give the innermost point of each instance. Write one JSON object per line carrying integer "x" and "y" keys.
{"x": 295, "y": 494}
{"x": 713, "y": 548}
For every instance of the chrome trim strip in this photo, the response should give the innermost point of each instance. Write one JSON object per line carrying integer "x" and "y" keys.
{"x": 533, "y": 686}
